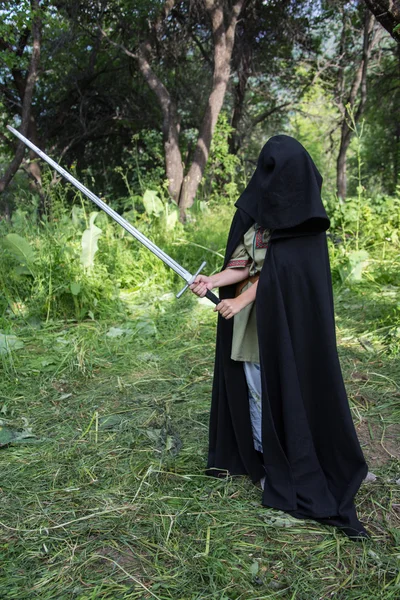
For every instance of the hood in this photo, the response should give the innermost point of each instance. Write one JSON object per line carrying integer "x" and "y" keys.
{"x": 285, "y": 189}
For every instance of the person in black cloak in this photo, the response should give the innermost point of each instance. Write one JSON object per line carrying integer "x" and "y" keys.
{"x": 280, "y": 412}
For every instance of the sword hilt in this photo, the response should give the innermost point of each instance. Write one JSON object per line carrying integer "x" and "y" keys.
{"x": 212, "y": 297}
{"x": 209, "y": 294}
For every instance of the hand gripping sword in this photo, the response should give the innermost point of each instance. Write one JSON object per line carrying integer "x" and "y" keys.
{"x": 170, "y": 262}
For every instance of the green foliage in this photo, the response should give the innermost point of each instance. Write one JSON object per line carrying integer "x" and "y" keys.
{"x": 58, "y": 280}
{"x": 313, "y": 123}
{"x": 9, "y": 343}
{"x": 89, "y": 242}
{"x": 219, "y": 184}
{"x": 19, "y": 248}
{"x": 353, "y": 270}
{"x": 363, "y": 227}
{"x": 357, "y": 253}
{"x": 381, "y": 147}
{"x": 378, "y": 218}
{"x": 142, "y": 163}
{"x": 70, "y": 267}
{"x": 152, "y": 203}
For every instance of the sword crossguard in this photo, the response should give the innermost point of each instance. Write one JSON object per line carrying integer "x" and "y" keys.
{"x": 209, "y": 294}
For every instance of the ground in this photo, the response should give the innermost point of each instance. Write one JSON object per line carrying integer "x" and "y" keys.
{"x": 104, "y": 494}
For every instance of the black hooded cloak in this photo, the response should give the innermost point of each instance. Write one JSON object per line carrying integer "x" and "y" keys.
{"x": 311, "y": 455}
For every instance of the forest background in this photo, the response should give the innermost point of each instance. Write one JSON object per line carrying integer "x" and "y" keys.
{"x": 161, "y": 108}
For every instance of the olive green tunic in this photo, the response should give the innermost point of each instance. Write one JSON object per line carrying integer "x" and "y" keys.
{"x": 249, "y": 253}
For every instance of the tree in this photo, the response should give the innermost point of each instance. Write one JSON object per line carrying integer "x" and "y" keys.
{"x": 223, "y": 37}
{"x": 354, "y": 98}
{"x": 87, "y": 103}
{"x": 220, "y": 20}
{"x": 354, "y": 50}
{"x": 272, "y": 39}
{"x": 381, "y": 138}
{"x": 137, "y": 88}
{"x": 15, "y": 45}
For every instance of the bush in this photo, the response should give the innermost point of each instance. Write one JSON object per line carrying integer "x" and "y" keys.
{"x": 74, "y": 264}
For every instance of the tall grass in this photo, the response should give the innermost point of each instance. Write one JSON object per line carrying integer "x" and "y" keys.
{"x": 58, "y": 280}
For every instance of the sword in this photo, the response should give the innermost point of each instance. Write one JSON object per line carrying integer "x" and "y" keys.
{"x": 170, "y": 262}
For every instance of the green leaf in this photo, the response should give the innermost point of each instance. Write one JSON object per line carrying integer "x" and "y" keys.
{"x": 357, "y": 263}
{"x": 77, "y": 215}
{"x": 146, "y": 327}
{"x": 6, "y": 436}
{"x": 254, "y": 568}
{"x": 171, "y": 219}
{"x": 75, "y": 288}
{"x": 92, "y": 217}
{"x": 9, "y": 342}
{"x": 154, "y": 434}
{"x": 115, "y": 332}
{"x": 111, "y": 422}
{"x": 152, "y": 203}
{"x": 170, "y": 443}
{"x": 9, "y": 434}
{"x": 22, "y": 270}
{"x": 19, "y": 248}
{"x": 89, "y": 242}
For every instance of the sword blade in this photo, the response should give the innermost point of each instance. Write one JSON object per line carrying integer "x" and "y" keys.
{"x": 170, "y": 262}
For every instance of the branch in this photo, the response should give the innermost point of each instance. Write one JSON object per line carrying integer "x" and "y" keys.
{"x": 264, "y": 115}
{"x": 195, "y": 39}
{"x": 153, "y": 81}
{"x": 387, "y": 13}
{"x": 143, "y": 59}
{"x": 230, "y": 31}
{"x": 116, "y": 45}
{"x": 166, "y": 9}
{"x": 367, "y": 49}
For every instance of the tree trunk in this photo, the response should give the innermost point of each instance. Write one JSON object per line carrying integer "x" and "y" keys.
{"x": 396, "y": 159}
{"x": 27, "y": 95}
{"x": 242, "y": 64}
{"x": 341, "y": 163}
{"x": 35, "y": 172}
{"x": 239, "y": 93}
{"x": 359, "y": 83}
{"x": 173, "y": 158}
{"x": 224, "y": 38}
{"x": 387, "y": 12}
{"x": 170, "y": 127}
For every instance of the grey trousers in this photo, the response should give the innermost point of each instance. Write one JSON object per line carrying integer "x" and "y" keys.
{"x": 253, "y": 378}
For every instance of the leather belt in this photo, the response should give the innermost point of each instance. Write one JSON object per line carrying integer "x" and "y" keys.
{"x": 242, "y": 284}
